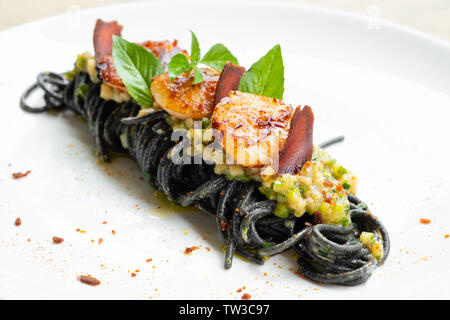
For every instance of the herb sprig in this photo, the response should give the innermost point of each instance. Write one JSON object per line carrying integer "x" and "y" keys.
{"x": 265, "y": 76}
{"x": 136, "y": 67}
{"x": 216, "y": 58}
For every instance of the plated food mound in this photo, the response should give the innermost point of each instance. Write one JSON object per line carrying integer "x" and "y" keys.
{"x": 208, "y": 133}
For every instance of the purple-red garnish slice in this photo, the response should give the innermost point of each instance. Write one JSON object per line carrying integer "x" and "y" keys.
{"x": 228, "y": 81}
{"x": 298, "y": 147}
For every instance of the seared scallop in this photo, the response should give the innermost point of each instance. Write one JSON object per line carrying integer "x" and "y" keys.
{"x": 182, "y": 98}
{"x": 251, "y": 128}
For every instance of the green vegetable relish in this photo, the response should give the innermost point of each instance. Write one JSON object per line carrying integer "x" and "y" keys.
{"x": 321, "y": 187}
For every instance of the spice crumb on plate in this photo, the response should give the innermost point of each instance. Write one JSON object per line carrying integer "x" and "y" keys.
{"x": 18, "y": 175}
{"x": 89, "y": 280}
{"x": 246, "y": 296}
{"x": 425, "y": 221}
{"x": 57, "y": 240}
{"x": 18, "y": 222}
{"x": 189, "y": 250}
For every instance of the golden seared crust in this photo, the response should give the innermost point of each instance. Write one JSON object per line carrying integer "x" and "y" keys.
{"x": 163, "y": 50}
{"x": 183, "y": 99}
{"x": 251, "y": 128}
{"x": 107, "y": 73}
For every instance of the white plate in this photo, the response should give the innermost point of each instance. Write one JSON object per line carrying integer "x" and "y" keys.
{"x": 385, "y": 87}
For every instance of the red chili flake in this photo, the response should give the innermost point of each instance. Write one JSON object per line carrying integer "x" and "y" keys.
{"x": 447, "y": 236}
{"x": 18, "y": 222}
{"x": 239, "y": 290}
{"x": 89, "y": 280}
{"x": 189, "y": 250}
{"x": 104, "y": 222}
{"x": 328, "y": 197}
{"x": 19, "y": 175}
{"x": 246, "y": 296}
{"x": 328, "y": 183}
{"x": 149, "y": 260}
{"x": 425, "y": 221}
{"x": 207, "y": 248}
{"x": 113, "y": 231}
{"x": 339, "y": 187}
{"x": 133, "y": 275}
{"x": 57, "y": 240}
{"x": 100, "y": 240}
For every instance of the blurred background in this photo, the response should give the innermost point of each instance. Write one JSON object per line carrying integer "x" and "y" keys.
{"x": 430, "y": 16}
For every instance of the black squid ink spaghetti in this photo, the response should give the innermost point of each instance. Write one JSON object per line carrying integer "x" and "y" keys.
{"x": 203, "y": 131}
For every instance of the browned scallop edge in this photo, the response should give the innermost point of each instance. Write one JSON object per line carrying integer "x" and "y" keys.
{"x": 228, "y": 81}
{"x": 299, "y": 144}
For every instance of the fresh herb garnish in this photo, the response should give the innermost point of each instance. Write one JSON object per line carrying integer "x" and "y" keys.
{"x": 265, "y": 76}
{"x": 136, "y": 67}
{"x": 215, "y": 58}
{"x": 346, "y": 186}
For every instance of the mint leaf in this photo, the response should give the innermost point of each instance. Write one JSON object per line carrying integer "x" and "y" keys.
{"x": 198, "y": 75}
{"x": 218, "y": 56}
{"x": 136, "y": 67}
{"x": 195, "y": 49}
{"x": 177, "y": 65}
{"x": 265, "y": 76}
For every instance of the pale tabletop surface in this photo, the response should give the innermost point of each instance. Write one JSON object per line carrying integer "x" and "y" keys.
{"x": 430, "y": 16}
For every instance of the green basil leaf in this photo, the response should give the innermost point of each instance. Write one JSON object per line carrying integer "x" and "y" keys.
{"x": 265, "y": 76}
{"x": 195, "y": 49}
{"x": 198, "y": 75}
{"x": 136, "y": 66}
{"x": 218, "y": 56}
{"x": 177, "y": 65}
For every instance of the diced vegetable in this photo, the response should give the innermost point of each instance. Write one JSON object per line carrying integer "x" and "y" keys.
{"x": 282, "y": 210}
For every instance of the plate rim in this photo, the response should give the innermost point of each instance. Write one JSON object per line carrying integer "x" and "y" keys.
{"x": 433, "y": 39}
